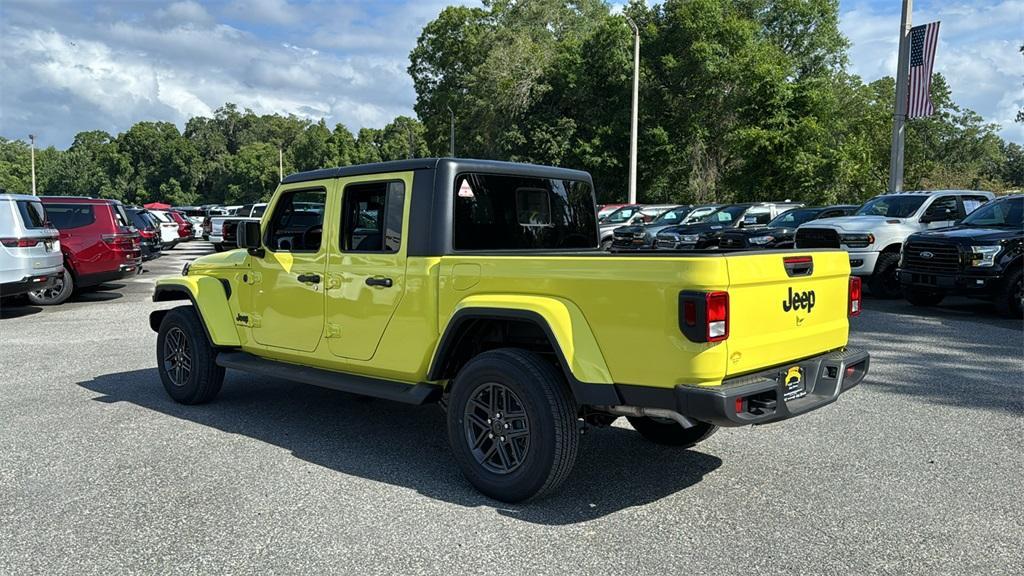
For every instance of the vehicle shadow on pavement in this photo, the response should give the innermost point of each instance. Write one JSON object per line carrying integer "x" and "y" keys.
{"x": 407, "y": 445}
{"x": 941, "y": 361}
{"x": 17, "y": 308}
{"x": 954, "y": 308}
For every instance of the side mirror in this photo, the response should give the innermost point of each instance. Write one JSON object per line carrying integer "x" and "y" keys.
{"x": 249, "y": 237}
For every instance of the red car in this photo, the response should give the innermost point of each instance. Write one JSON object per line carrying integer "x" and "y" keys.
{"x": 184, "y": 225}
{"x": 97, "y": 240}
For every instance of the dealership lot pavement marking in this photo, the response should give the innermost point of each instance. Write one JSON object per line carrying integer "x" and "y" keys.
{"x": 914, "y": 472}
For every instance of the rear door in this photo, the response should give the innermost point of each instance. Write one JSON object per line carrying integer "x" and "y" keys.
{"x": 785, "y": 306}
{"x": 367, "y": 264}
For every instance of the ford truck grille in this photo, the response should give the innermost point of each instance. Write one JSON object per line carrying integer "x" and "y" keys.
{"x": 817, "y": 238}
{"x": 922, "y": 256}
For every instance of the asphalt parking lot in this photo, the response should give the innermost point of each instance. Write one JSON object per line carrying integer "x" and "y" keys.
{"x": 916, "y": 471}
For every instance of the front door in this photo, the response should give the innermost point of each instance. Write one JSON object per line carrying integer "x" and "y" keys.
{"x": 289, "y": 280}
{"x": 367, "y": 268}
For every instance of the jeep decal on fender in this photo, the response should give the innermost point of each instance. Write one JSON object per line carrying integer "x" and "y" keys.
{"x": 798, "y": 300}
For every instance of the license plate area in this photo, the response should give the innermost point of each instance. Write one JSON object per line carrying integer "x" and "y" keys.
{"x": 794, "y": 383}
{"x": 48, "y": 245}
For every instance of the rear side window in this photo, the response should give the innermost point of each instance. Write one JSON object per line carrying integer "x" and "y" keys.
{"x": 32, "y": 213}
{"x": 68, "y": 216}
{"x": 120, "y": 217}
{"x": 972, "y": 203}
{"x": 372, "y": 217}
{"x": 500, "y": 212}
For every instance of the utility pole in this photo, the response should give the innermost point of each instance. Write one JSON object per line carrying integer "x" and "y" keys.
{"x": 451, "y": 143}
{"x": 636, "y": 108}
{"x": 280, "y": 164}
{"x": 32, "y": 152}
{"x": 412, "y": 146}
{"x": 899, "y": 117}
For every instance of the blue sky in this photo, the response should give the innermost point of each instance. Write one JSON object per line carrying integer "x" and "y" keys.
{"x": 105, "y": 64}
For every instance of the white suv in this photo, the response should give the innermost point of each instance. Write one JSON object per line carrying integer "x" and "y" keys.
{"x": 30, "y": 257}
{"x": 874, "y": 234}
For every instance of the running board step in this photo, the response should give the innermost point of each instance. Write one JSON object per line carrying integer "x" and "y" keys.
{"x": 421, "y": 393}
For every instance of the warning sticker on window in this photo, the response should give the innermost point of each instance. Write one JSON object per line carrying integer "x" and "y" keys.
{"x": 465, "y": 190}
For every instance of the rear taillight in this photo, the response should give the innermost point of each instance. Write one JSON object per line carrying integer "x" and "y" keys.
{"x": 704, "y": 316}
{"x": 718, "y": 316}
{"x": 20, "y": 242}
{"x": 856, "y": 299}
{"x": 121, "y": 241}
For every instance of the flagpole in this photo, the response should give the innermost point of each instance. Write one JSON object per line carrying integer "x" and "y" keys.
{"x": 899, "y": 117}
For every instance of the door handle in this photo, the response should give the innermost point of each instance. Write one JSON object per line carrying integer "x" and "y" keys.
{"x": 385, "y": 282}
{"x": 310, "y": 278}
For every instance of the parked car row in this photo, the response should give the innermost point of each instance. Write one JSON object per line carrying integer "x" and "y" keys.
{"x": 920, "y": 245}
{"x": 55, "y": 245}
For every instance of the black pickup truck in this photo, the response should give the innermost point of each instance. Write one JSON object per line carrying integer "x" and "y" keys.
{"x": 982, "y": 256}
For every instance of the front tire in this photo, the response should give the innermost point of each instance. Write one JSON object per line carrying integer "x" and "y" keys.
{"x": 1010, "y": 299}
{"x": 670, "y": 433}
{"x": 883, "y": 281}
{"x": 923, "y": 296}
{"x": 61, "y": 290}
{"x": 186, "y": 359}
{"x": 512, "y": 425}
{"x": 218, "y": 247}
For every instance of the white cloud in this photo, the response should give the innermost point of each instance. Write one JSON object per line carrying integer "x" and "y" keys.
{"x": 107, "y": 69}
{"x": 267, "y": 11}
{"x": 978, "y": 52}
{"x": 186, "y": 11}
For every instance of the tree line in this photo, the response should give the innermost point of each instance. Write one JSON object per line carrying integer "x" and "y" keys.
{"x": 739, "y": 100}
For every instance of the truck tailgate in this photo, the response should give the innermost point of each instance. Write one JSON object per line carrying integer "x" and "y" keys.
{"x": 785, "y": 306}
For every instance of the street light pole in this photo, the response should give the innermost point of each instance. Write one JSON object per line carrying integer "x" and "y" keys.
{"x": 636, "y": 108}
{"x": 280, "y": 164}
{"x": 32, "y": 152}
{"x": 451, "y": 142}
{"x": 899, "y": 116}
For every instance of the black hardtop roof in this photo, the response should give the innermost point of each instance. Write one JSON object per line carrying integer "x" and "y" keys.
{"x": 459, "y": 164}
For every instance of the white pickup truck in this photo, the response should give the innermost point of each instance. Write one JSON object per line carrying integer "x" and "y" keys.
{"x": 874, "y": 234}
{"x": 224, "y": 228}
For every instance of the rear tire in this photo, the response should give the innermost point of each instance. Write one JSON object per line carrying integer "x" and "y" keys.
{"x": 57, "y": 294}
{"x": 186, "y": 359}
{"x": 1010, "y": 299}
{"x": 670, "y": 433}
{"x": 923, "y": 296}
{"x": 883, "y": 281}
{"x": 517, "y": 396}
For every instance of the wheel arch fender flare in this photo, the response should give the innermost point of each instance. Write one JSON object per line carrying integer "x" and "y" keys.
{"x": 208, "y": 297}
{"x": 560, "y": 320}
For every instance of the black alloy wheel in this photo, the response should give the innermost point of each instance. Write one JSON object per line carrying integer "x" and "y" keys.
{"x": 497, "y": 428}
{"x": 177, "y": 357}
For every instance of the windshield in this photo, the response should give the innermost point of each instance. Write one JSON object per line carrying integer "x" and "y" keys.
{"x": 725, "y": 215}
{"x": 892, "y": 206}
{"x": 1008, "y": 213}
{"x": 673, "y": 216}
{"x": 621, "y": 215}
{"x": 793, "y": 218}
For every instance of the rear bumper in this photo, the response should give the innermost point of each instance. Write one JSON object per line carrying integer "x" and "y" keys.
{"x": 762, "y": 396}
{"x": 29, "y": 284}
{"x": 125, "y": 270}
{"x": 216, "y": 238}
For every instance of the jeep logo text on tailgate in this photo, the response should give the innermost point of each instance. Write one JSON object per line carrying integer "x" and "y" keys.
{"x": 798, "y": 300}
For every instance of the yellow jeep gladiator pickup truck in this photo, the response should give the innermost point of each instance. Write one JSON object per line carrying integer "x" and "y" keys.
{"x": 481, "y": 285}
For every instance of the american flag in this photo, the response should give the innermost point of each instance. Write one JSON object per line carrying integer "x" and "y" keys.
{"x": 922, "y": 56}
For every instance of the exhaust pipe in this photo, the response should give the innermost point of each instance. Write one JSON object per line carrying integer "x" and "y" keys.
{"x": 639, "y": 411}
